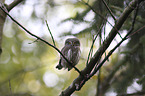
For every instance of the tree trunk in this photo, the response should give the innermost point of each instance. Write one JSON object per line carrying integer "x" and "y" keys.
{"x": 2, "y": 21}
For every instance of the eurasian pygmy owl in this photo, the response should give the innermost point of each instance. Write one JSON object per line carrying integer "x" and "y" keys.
{"x": 71, "y": 51}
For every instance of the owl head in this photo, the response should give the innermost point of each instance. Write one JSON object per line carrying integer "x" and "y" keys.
{"x": 72, "y": 42}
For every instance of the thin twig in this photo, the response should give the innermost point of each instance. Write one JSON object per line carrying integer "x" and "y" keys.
{"x": 91, "y": 49}
{"x": 41, "y": 40}
{"x": 94, "y": 39}
{"x": 98, "y": 91}
{"x": 10, "y": 88}
{"x": 98, "y": 84}
{"x": 136, "y": 31}
{"x": 109, "y": 10}
{"x": 104, "y": 39}
{"x": 50, "y": 33}
{"x": 101, "y": 17}
{"x": 33, "y": 41}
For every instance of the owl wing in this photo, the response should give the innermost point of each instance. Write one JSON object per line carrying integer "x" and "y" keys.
{"x": 78, "y": 55}
{"x": 67, "y": 53}
{"x": 59, "y": 66}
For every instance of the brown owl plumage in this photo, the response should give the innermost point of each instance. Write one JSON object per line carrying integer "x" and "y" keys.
{"x": 71, "y": 51}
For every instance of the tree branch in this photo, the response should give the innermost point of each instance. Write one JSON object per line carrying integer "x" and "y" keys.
{"x": 2, "y": 21}
{"x": 13, "y": 4}
{"x": 10, "y": 88}
{"x": 3, "y": 16}
{"x": 109, "y": 10}
{"x": 94, "y": 39}
{"x": 80, "y": 81}
{"x": 50, "y": 33}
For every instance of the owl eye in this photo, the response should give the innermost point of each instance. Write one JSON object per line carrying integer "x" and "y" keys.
{"x": 77, "y": 43}
{"x": 68, "y": 43}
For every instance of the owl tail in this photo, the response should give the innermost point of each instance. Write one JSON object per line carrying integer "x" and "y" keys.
{"x": 69, "y": 68}
{"x": 59, "y": 66}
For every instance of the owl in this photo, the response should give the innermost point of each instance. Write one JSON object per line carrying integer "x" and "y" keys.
{"x": 71, "y": 51}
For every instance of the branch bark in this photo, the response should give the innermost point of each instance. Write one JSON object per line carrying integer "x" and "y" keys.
{"x": 13, "y": 4}
{"x": 3, "y": 16}
{"x": 2, "y": 21}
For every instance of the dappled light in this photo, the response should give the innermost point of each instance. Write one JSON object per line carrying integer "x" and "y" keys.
{"x": 50, "y": 79}
{"x": 28, "y": 46}
{"x": 110, "y": 61}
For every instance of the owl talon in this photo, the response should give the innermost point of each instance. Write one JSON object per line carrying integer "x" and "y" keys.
{"x": 59, "y": 67}
{"x": 68, "y": 69}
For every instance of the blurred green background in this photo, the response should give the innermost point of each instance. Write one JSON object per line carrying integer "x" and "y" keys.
{"x": 27, "y": 68}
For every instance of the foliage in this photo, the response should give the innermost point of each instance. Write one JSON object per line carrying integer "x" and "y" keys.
{"x": 27, "y": 65}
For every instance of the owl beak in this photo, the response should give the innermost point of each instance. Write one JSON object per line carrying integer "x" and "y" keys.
{"x": 72, "y": 43}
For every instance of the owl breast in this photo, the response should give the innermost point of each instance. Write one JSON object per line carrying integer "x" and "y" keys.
{"x": 73, "y": 55}
{"x": 69, "y": 54}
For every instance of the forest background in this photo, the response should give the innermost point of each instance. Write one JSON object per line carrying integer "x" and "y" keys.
{"x": 112, "y": 39}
